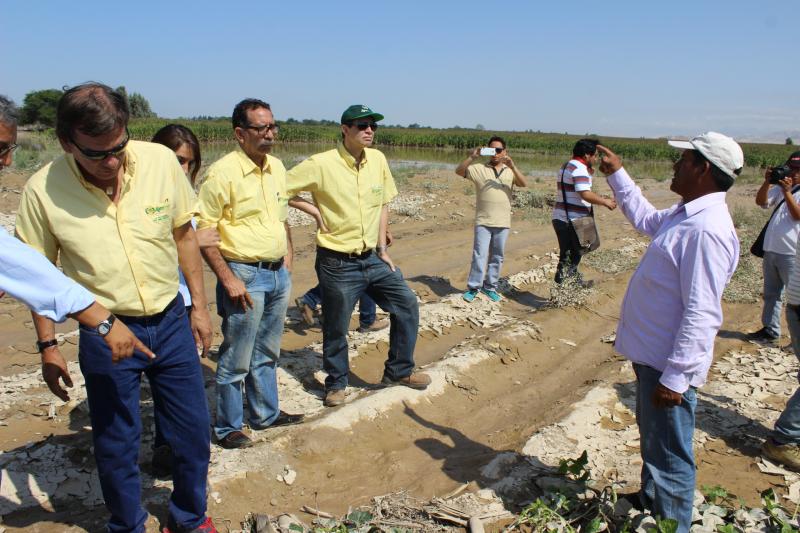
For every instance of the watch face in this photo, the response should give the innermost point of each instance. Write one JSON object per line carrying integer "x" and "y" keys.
{"x": 103, "y": 328}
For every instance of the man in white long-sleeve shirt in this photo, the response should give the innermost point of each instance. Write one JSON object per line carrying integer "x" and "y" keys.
{"x": 672, "y": 309}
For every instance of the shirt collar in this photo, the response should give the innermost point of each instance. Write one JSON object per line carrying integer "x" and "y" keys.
{"x": 248, "y": 166}
{"x": 348, "y": 157}
{"x": 704, "y": 202}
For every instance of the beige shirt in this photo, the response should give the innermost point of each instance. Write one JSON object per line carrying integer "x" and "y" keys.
{"x": 493, "y": 205}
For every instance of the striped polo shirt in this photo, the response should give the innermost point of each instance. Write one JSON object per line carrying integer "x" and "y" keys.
{"x": 576, "y": 178}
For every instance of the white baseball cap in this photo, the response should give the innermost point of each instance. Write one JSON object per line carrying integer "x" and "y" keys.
{"x": 723, "y": 152}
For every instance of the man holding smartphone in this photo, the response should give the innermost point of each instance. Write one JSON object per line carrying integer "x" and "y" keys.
{"x": 351, "y": 186}
{"x": 494, "y": 182}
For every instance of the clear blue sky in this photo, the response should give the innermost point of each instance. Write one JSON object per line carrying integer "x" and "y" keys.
{"x": 634, "y": 68}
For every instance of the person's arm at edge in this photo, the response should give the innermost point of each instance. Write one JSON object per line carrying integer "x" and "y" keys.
{"x": 762, "y": 196}
{"x": 288, "y": 261}
{"x": 192, "y": 267}
{"x": 461, "y": 169}
{"x": 310, "y": 209}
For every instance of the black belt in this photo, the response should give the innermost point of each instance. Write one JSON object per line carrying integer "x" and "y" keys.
{"x": 266, "y": 265}
{"x": 148, "y": 318}
{"x": 344, "y": 255}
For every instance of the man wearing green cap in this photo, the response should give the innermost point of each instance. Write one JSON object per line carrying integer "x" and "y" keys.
{"x": 351, "y": 186}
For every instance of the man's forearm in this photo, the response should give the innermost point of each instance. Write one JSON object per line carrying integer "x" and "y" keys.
{"x": 289, "y": 244}
{"x": 791, "y": 205}
{"x": 384, "y": 225}
{"x": 45, "y": 328}
{"x": 762, "y": 196}
{"x": 461, "y": 169}
{"x": 519, "y": 178}
{"x": 592, "y": 198}
{"x": 218, "y": 264}
{"x": 191, "y": 265}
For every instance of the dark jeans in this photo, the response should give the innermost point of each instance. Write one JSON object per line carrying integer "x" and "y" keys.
{"x": 342, "y": 281}
{"x": 569, "y": 254}
{"x": 367, "y": 312}
{"x": 665, "y": 439}
{"x": 179, "y": 401}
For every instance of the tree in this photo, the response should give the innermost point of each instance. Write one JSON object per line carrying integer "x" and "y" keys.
{"x": 39, "y": 107}
{"x": 140, "y": 107}
{"x": 789, "y": 141}
{"x": 479, "y": 127}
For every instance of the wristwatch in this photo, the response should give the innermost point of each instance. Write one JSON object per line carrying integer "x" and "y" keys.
{"x": 43, "y": 345}
{"x": 104, "y": 327}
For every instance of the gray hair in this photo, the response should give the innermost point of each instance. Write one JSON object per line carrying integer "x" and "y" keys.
{"x": 8, "y": 111}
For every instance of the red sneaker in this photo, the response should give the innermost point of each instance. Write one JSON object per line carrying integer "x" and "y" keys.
{"x": 206, "y": 527}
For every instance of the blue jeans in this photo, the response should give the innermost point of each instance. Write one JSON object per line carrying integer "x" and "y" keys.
{"x": 342, "y": 281}
{"x": 179, "y": 400}
{"x": 777, "y": 268}
{"x": 787, "y": 427}
{"x": 367, "y": 311}
{"x": 250, "y": 348}
{"x": 489, "y": 245}
{"x": 665, "y": 436}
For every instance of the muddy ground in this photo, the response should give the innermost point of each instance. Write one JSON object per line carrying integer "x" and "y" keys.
{"x": 517, "y": 386}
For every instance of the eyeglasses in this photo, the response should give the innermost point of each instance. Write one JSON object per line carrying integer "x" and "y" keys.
{"x": 362, "y": 126}
{"x": 497, "y": 149}
{"x": 99, "y": 155}
{"x": 261, "y": 130}
{"x": 7, "y": 150}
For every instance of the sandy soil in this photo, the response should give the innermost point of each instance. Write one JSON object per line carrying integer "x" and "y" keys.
{"x": 516, "y": 386}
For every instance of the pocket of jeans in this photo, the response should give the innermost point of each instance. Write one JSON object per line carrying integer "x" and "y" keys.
{"x": 245, "y": 273}
{"x": 330, "y": 262}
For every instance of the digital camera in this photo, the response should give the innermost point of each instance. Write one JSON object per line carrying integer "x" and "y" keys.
{"x": 778, "y": 173}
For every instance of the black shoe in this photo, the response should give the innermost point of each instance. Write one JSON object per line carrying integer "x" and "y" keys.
{"x": 284, "y": 419}
{"x": 234, "y": 440}
{"x": 161, "y": 463}
{"x": 633, "y": 499}
{"x": 762, "y": 335}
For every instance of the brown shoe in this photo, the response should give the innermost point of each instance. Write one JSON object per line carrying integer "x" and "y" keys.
{"x": 305, "y": 311}
{"x": 334, "y": 397}
{"x": 417, "y": 380}
{"x": 375, "y": 326}
{"x": 235, "y": 439}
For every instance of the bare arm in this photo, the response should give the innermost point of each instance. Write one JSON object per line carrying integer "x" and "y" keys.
{"x": 382, "y": 233}
{"x": 791, "y": 204}
{"x": 461, "y": 169}
{"x": 596, "y": 199}
{"x": 192, "y": 267}
{"x": 289, "y": 259}
{"x": 762, "y": 196}
{"x": 310, "y": 209}
{"x": 519, "y": 177}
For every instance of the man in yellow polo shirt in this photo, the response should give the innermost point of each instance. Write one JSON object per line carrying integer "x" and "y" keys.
{"x": 117, "y": 214}
{"x": 244, "y": 199}
{"x": 494, "y": 182}
{"x": 352, "y": 185}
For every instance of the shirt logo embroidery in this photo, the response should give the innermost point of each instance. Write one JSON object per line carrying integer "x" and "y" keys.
{"x": 158, "y": 212}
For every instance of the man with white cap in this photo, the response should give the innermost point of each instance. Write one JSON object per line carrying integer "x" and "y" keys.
{"x": 672, "y": 309}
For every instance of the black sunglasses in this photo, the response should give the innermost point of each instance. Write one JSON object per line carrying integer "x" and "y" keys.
{"x": 99, "y": 155}
{"x": 261, "y": 130}
{"x": 7, "y": 149}
{"x": 362, "y": 126}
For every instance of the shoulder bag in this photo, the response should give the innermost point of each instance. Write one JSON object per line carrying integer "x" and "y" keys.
{"x": 584, "y": 227}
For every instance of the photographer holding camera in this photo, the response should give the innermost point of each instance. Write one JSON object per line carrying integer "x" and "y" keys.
{"x": 781, "y": 189}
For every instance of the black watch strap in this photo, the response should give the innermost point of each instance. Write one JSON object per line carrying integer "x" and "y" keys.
{"x": 43, "y": 345}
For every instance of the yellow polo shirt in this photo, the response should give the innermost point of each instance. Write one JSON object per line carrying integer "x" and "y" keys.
{"x": 349, "y": 198}
{"x": 493, "y": 202}
{"x": 125, "y": 254}
{"x": 247, "y": 205}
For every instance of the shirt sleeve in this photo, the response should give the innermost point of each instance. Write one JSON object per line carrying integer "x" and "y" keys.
{"x": 705, "y": 267}
{"x": 29, "y": 277}
{"x": 213, "y": 197}
{"x": 389, "y": 187}
{"x": 581, "y": 179}
{"x": 185, "y": 206}
{"x": 774, "y": 195}
{"x": 636, "y": 208}
{"x": 32, "y": 226}
{"x": 304, "y": 176}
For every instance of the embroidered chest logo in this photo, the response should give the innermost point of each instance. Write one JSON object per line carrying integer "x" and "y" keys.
{"x": 158, "y": 212}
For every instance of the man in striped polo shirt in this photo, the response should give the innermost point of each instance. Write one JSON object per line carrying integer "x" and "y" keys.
{"x": 576, "y": 180}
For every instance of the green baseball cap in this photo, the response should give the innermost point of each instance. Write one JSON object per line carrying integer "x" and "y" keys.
{"x": 359, "y": 111}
